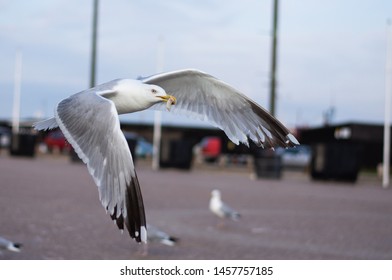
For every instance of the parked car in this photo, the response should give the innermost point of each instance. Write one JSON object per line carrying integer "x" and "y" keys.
{"x": 297, "y": 157}
{"x": 56, "y": 140}
{"x": 5, "y": 137}
{"x": 211, "y": 148}
{"x": 143, "y": 148}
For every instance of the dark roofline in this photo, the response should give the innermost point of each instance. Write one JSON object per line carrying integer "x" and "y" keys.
{"x": 358, "y": 131}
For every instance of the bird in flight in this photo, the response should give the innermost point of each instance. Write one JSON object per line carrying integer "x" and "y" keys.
{"x": 89, "y": 121}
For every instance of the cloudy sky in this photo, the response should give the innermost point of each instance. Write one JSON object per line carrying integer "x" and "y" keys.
{"x": 331, "y": 53}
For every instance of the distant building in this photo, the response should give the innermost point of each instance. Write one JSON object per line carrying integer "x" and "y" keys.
{"x": 340, "y": 151}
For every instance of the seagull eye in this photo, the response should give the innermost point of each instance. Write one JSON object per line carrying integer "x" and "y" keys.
{"x": 154, "y": 91}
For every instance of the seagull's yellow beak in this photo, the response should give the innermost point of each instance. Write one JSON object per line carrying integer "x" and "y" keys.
{"x": 168, "y": 97}
{"x": 170, "y": 100}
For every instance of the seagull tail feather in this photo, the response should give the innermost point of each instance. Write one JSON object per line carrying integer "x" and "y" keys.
{"x": 46, "y": 124}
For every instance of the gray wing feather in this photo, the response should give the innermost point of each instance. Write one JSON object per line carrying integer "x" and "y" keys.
{"x": 203, "y": 96}
{"x": 91, "y": 125}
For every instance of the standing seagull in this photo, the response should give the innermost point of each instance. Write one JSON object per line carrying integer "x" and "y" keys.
{"x": 5, "y": 244}
{"x": 221, "y": 209}
{"x": 89, "y": 120}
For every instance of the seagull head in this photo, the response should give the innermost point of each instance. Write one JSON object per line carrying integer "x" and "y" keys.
{"x": 157, "y": 94}
{"x": 216, "y": 193}
{"x": 132, "y": 96}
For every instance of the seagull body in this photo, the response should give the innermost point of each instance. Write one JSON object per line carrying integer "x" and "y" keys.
{"x": 6, "y": 244}
{"x": 89, "y": 121}
{"x": 154, "y": 234}
{"x": 221, "y": 209}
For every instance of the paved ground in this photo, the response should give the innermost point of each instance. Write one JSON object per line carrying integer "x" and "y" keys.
{"x": 52, "y": 207}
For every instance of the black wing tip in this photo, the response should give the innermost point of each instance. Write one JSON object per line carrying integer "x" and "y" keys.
{"x": 119, "y": 221}
{"x": 137, "y": 233}
{"x": 135, "y": 219}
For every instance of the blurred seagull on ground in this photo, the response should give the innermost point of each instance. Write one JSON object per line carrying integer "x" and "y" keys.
{"x": 221, "y": 209}
{"x": 6, "y": 244}
{"x": 89, "y": 121}
{"x": 156, "y": 235}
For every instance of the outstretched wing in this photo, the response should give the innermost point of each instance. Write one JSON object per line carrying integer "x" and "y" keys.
{"x": 205, "y": 97}
{"x": 91, "y": 125}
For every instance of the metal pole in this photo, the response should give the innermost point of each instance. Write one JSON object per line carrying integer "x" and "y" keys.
{"x": 94, "y": 44}
{"x": 273, "y": 59}
{"x": 158, "y": 114}
{"x": 387, "y": 116}
{"x": 17, "y": 82}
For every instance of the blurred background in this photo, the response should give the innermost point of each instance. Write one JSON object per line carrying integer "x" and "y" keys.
{"x": 331, "y": 54}
{"x": 319, "y": 66}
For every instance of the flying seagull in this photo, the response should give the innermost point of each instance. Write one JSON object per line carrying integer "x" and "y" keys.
{"x": 89, "y": 121}
{"x": 6, "y": 244}
{"x": 221, "y": 209}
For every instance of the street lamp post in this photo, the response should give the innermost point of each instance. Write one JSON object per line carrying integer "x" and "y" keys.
{"x": 273, "y": 59}
{"x": 94, "y": 44}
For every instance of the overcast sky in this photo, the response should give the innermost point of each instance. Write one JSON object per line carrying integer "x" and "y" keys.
{"x": 331, "y": 53}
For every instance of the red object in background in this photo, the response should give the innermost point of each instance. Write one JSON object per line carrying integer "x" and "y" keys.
{"x": 211, "y": 147}
{"x": 56, "y": 140}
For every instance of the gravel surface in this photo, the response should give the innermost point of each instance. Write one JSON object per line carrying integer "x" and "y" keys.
{"x": 51, "y": 206}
